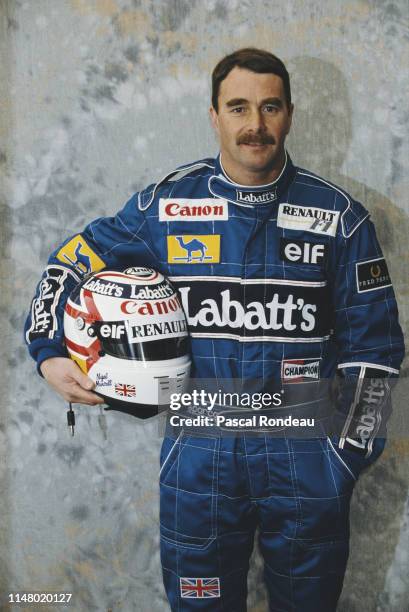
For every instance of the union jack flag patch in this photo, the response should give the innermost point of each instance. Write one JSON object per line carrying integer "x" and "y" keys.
{"x": 125, "y": 390}
{"x": 199, "y": 587}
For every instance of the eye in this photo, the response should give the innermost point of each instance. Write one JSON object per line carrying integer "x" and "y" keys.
{"x": 271, "y": 108}
{"x": 238, "y": 110}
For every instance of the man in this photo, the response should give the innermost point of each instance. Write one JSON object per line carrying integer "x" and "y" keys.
{"x": 283, "y": 282}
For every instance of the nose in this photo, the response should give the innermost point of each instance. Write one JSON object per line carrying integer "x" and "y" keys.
{"x": 256, "y": 120}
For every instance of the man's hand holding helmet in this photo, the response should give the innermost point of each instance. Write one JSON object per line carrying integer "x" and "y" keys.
{"x": 65, "y": 377}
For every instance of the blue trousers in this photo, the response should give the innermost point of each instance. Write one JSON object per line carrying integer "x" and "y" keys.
{"x": 215, "y": 492}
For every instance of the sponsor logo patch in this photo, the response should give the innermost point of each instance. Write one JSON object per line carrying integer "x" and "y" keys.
{"x": 271, "y": 312}
{"x": 308, "y": 219}
{"x": 44, "y": 320}
{"x": 152, "y": 307}
{"x": 374, "y": 393}
{"x": 256, "y": 197}
{"x": 118, "y": 290}
{"x": 194, "y": 249}
{"x": 199, "y": 587}
{"x": 372, "y": 275}
{"x": 298, "y": 251}
{"x": 149, "y": 331}
{"x": 141, "y": 272}
{"x": 103, "y": 287}
{"x": 78, "y": 254}
{"x": 299, "y": 370}
{"x": 185, "y": 209}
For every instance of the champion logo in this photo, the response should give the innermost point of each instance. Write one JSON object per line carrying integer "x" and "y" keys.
{"x": 256, "y": 197}
{"x": 297, "y": 370}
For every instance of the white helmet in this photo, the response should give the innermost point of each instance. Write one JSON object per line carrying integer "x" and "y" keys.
{"x": 128, "y": 332}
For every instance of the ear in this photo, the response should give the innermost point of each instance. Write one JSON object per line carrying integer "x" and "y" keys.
{"x": 214, "y": 118}
{"x": 290, "y": 117}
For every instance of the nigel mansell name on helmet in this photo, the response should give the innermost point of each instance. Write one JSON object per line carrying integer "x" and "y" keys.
{"x": 105, "y": 287}
{"x": 269, "y": 310}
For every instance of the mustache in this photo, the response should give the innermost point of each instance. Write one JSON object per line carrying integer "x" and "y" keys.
{"x": 259, "y": 139}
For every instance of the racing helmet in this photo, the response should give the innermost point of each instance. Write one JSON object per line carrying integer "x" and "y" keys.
{"x": 128, "y": 332}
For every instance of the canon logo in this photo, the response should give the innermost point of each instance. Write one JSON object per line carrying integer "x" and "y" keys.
{"x": 173, "y": 210}
{"x": 185, "y": 209}
{"x": 160, "y": 307}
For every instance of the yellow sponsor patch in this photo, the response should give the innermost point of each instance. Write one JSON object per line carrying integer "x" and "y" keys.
{"x": 77, "y": 253}
{"x": 194, "y": 249}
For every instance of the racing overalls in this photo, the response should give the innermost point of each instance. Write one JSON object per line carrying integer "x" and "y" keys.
{"x": 283, "y": 282}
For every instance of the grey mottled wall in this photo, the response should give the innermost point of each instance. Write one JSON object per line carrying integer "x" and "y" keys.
{"x": 98, "y": 98}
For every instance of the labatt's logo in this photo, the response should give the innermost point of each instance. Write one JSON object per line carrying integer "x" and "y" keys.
{"x": 256, "y": 197}
{"x": 372, "y": 399}
{"x": 185, "y": 209}
{"x": 159, "y": 307}
{"x": 148, "y": 293}
{"x": 231, "y": 313}
{"x": 103, "y": 288}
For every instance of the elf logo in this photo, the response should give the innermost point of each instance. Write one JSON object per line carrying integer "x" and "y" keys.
{"x": 298, "y": 251}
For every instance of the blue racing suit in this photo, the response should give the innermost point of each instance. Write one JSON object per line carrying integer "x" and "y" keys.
{"x": 284, "y": 282}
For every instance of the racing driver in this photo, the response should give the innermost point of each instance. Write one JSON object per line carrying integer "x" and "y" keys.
{"x": 282, "y": 279}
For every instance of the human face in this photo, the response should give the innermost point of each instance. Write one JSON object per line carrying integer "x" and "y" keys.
{"x": 252, "y": 123}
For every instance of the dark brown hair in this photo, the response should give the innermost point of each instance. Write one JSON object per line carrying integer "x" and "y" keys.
{"x": 250, "y": 58}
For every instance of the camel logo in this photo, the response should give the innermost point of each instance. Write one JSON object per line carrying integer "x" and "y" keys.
{"x": 194, "y": 249}
{"x": 80, "y": 256}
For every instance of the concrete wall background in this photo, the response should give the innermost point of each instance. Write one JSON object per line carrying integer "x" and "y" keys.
{"x": 99, "y": 98}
